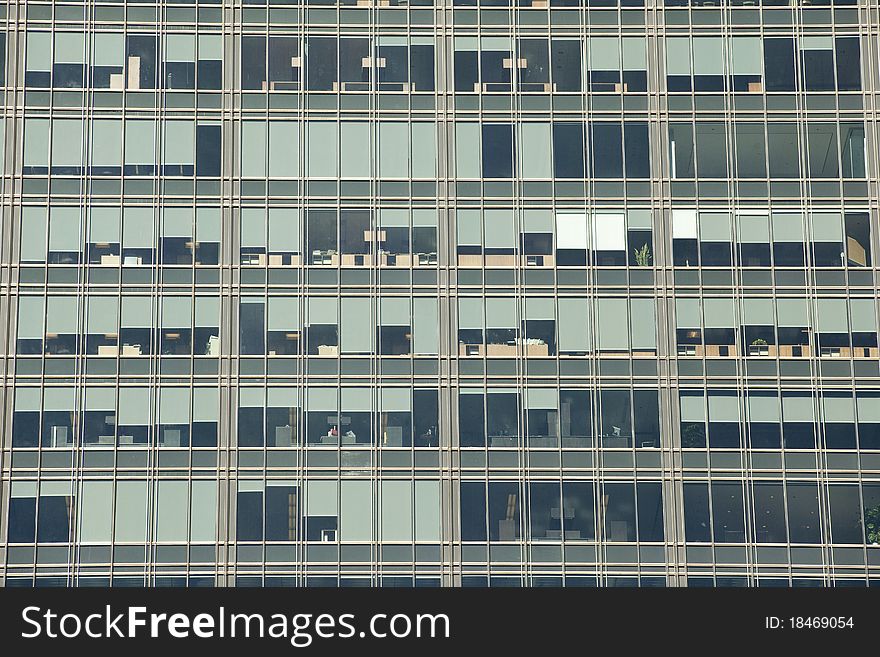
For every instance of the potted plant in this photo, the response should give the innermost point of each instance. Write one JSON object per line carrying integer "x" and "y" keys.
{"x": 872, "y": 525}
{"x": 643, "y": 256}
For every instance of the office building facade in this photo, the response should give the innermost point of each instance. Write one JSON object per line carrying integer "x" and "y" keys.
{"x": 475, "y": 293}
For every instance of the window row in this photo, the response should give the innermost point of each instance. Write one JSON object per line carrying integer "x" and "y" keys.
{"x": 113, "y": 60}
{"x": 781, "y": 512}
{"x": 572, "y": 511}
{"x": 789, "y": 327}
{"x": 762, "y": 239}
{"x": 794, "y": 420}
{"x": 707, "y": 149}
{"x": 136, "y": 511}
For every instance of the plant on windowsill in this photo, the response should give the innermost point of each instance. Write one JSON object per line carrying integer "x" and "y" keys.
{"x": 759, "y": 342}
{"x": 872, "y": 525}
{"x": 758, "y": 347}
{"x": 643, "y": 256}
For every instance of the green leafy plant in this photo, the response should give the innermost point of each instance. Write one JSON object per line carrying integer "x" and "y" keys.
{"x": 759, "y": 342}
{"x": 693, "y": 434}
{"x": 872, "y": 525}
{"x": 643, "y": 256}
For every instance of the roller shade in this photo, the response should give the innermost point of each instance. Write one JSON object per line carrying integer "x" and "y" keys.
{"x": 27, "y": 399}
{"x": 105, "y": 224}
{"x": 137, "y": 227}
{"x": 62, "y": 315}
{"x": 684, "y": 224}
{"x": 468, "y": 227}
{"x": 757, "y": 312}
{"x": 180, "y": 47}
{"x": 604, "y": 53}
{"x": 393, "y": 217}
{"x": 862, "y": 315}
{"x": 787, "y": 227}
{"x": 67, "y": 142}
{"x": 500, "y": 233}
{"x": 107, "y": 142}
{"x": 253, "y": 149}
{"x": 692, "y": 407}
{"x": 100, "y": 399}
{"x": 427, "y": 514}
{"x": 177, "y": 222}
{"x": 688, "y": 313}
{"x": 208, "y": 221}
{"x": 396, "y": 399}
{"x": 137, "y": 312}
{"x": 719, "y": 312}
{"x": 609, "y": 231}
{"x": 394, "y": 311}
{"x": 59, "y": 399}
{"x": 574, "y": 325}
{"x": 753, "y": 228}
{"x": 826, "y": 226}
{"x": 355, "y": 144}
{"x": 763, "y": 407}
{"x": 634, "y": 54}
{"x": 180, "y": 142}
{"x": 541, "y": 398}
{"x": 535, "y": 139}
{"x": 253, "y": 228}
{"x": 322, "y": 399}
{"x": 69, "y": 47}
{"x": 837, "y": 407}
{"x": 321, "y": 498}
{"x": 832, "y": 316}
{"x": 868, "y": 406}
{"x": 176, "y": 312}
{"x": 470, "y": 313}
{"x": 501, "y": 313}
{"x": 131, "y": 511}
{"x": 798, "y": 407}
{"x": 109, "y": 48}
{"x": 397, "y": 510}
{"x": 708, "y": 55}
{"x": 426, "y": 326}
{"x": 323, "y": 311}
{"x": 793, "y": 312}
{"x": 678, "y": 56}
{"x": 282, "y": 397}
{"x": 283, "y": 314}
{"x": 206, "y": 405}
{"x": 394, "y": 149}
{"x": 356, "y": 334}
{"x": 356, "y": 511}
{"x": 207, "y": 312}
{"x": 571, "y": 230}
{"x": 537, "y": 221}
{"x": 613, "y": 320}
{"x": 134, "y": 407}
{"x": 538, "y": 308}
{"x": 644, "y": 324}
{"x": 39, "y": 51}
{"x": 715, "y": 227}
{"x": 746, "y": 55}
{"x": 723, "y": 407}
{"x": 424, "y": 218}
{"x": 284, "y": 149}
{"x": 174, "y": 405}
{"x": 424, "y": 149}
{"x": 322, "y": 148}
{"x": 31, "y": 315}
{"x": 65, "y": 225}
{"x": 140, "y": 142}
{"x": 103, "y": 313}
{"x": 172, "y": 502}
